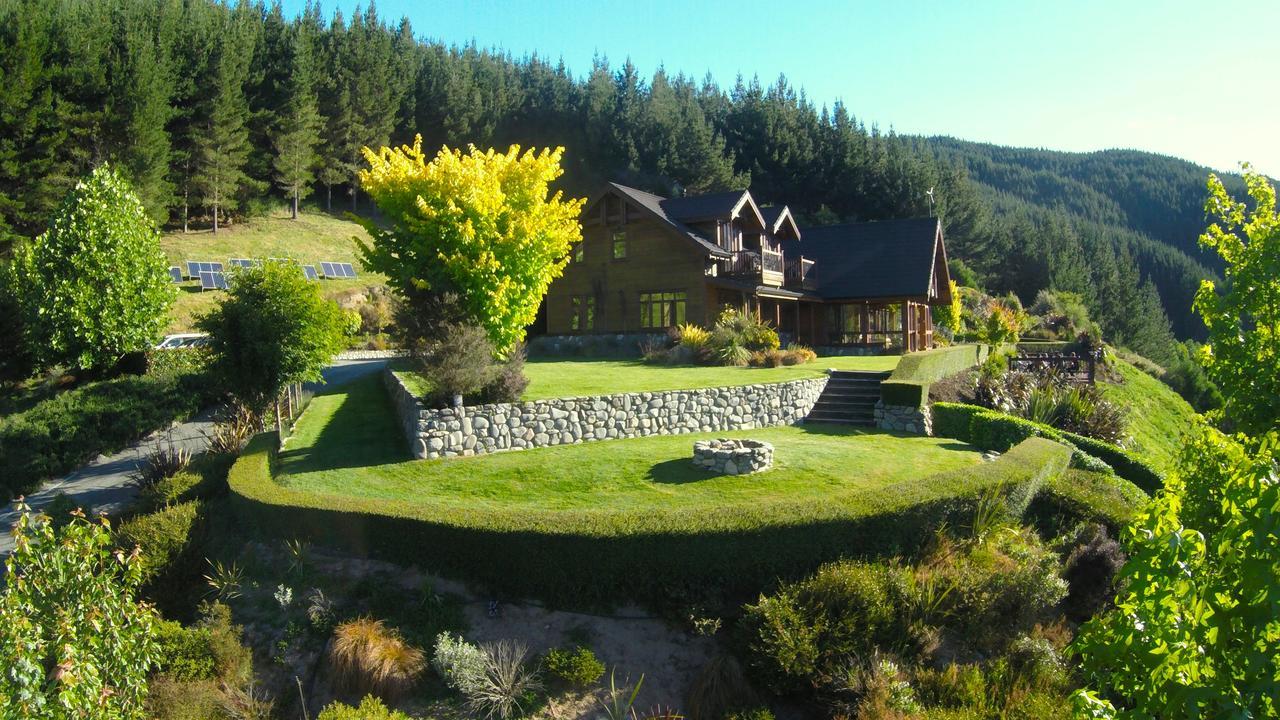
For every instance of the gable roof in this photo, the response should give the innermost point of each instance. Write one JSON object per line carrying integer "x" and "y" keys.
{"x": 778, "y": 216}
{"x": 654, "y": 206}
{"x": 714, "y": 206}
{"x": 889, "y": 259}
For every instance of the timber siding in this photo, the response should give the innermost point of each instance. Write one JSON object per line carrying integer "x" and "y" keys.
{"x": 656, "y": 261}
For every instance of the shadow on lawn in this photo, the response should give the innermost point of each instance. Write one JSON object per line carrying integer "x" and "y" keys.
{"x": 361, "y": 432}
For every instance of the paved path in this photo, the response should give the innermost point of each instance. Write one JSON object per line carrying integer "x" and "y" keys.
{"x": 103, "y": 484}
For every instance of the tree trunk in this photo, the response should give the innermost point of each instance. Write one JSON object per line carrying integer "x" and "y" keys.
{"x": 355, "y": 196}
{"x": 185, "y": 211}
{"x": 215, "y": 217}
{"x": 328, "y": 200}
{"x": 295, "y": 202}
{"x": 279, "y": 427}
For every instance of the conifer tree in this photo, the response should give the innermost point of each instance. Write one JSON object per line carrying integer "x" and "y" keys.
{"x": 298, "y": 134}
{"x": 224, "y": 148}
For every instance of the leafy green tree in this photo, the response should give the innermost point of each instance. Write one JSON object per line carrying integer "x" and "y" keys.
{"x": 1194, "y": 633}
{"x": 73, "y": 641}
{"x": 1243, "y": 352}
{"x": 95, "y": 286}
{"x": 950, "y": 316}
{"x": 273, "y": 329}
{"x": 481, "y": 225}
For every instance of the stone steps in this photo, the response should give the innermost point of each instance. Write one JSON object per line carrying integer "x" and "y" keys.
{"x": 849, "y": 398}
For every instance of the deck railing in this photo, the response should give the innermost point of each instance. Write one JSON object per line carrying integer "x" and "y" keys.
{"x": 772, "y": 261}
{"x": 743, "y": 263}
{"x": 797, "y": 272}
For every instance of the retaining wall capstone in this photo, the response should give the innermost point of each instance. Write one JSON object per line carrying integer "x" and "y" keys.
{"x": 483, "y": 429}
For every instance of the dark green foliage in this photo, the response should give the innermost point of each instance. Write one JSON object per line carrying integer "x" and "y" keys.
{"x": 459, "y": 363}
{"x": 721, "y": 691}
{"x": 169, "y": 540}
{"x": 1093, "y": 561}
{"x": 58, "y": 434}
{"x": 1127, "y": 465}
{"x": 933, "y": 365}
{"x": 1188, "y": 378}
{"x": 904, "y": 393}
{"x": 578, "y": 667}
{"x": 185, "y": 653}
{"x": 1082, "y": 496}
{"x": 583, "y": 562}
{"x": 17, "y": 362}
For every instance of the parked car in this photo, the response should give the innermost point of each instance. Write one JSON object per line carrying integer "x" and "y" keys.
{"x": 183, "y": 340}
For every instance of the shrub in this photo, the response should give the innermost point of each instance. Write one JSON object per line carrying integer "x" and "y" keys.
{"x": 733, "y": 355}
{"x": 459, "y": 663}
{"x": 163, "y": 461}
{"x": 510, "y": 382}
{"x": 1002, "y": 325}
{"x": 371, "y": 708}
{"x": 459, "y": 363}
{"x": 720, "y": 690}
{"x": 177, "y": 362}
{"x": 693, "y": 337}
{"x": 1093, "y": 562}
{"x": 508, "y": 686}
{"x": 755, "y": 713}
{"x": 806, "y": 631}
{"x": 368, "y": 657}
{"x": 167, "y": 540}
{"x": 185, "y": 653}
{"x": 231, "y": 434}
{"x": 578, "y": 667}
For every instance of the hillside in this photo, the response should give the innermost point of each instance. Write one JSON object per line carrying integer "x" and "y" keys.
{"x": 312, "y": 238}
{"x": 1151, "y": 205}
{"x": 1158, "y": 417}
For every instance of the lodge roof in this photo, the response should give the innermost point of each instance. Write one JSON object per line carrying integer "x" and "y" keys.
{"x": 654, "y": 204}
{"x": 886, "y": 259}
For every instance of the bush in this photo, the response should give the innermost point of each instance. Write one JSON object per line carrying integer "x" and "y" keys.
{"x": 459, "y": 663}
{"x": 204, "y": 479}
{"x": 168, "y": 540}
{"x": 459, "y": 363}
{"x": 721, "y": 690}
{"x": 371, "y": 708}
{"x": 1093, "y": 562}
{"x": 509, "y": 686}
{"x": 368, "y": 657}
{"x": 578, "y": 667}
{"x": 511, "y": 382}
{"x": 162, "y": 462}
{"x": 1082, "y": 496}
{"x": 185, "y": 653}
{"x": 804, "y": 633}
{"x": 693, "y": 337}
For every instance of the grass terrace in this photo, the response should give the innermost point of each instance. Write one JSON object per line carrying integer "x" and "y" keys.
{"x": 348, "y": 443}
{"x": 576, "y": 378}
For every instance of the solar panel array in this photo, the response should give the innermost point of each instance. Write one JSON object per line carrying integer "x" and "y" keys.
{"x": 175, "y": 274}
{"x": 333, "y": 270}
{"x": 211, "y": 280}
{"x": 194, "y": 268}
{"x": 310, "y": 272}
{"x": 244, "y": 262}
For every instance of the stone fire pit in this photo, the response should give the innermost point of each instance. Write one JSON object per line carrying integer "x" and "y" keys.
{"x": 732, "y": 457}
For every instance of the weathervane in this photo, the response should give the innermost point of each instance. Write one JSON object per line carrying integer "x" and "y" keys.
{"x": 930, "y": 194}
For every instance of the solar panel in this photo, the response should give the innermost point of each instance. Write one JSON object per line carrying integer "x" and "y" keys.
{"x": 193, "y": 269}
{"x": 215, "y": 266}
{"x": 175, "y": 274}
{"x": 206, "y": 280}
{"x": 219, "y": 280}
{"x": 243, "y": 262}
{"x": 327, "y": 269}
{"x": 310, "y": 272}
{"x": 348, "y": 271}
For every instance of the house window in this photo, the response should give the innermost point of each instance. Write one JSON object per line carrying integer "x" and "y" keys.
{"x": 577, "y": 251}
{"x": 582, "y": 313}
{"x": 662, "y": 309}
{"x": 619, "y": 244}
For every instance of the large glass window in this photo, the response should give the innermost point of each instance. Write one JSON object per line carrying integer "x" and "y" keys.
{"x": 620, "y": 245}
{"x": 582, "y": 317}
{"x": 662, "y": 309}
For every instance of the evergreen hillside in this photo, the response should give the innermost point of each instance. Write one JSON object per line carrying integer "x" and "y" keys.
{"x": 1157, "y": 416}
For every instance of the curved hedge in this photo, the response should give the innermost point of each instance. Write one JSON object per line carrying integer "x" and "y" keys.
{"x": 994, "y": 430}
{"x": 594, "y": 558}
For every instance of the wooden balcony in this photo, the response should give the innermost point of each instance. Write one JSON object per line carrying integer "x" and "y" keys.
{"x": 797, "y": 273}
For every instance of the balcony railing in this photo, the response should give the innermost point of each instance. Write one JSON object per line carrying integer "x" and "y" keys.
{"x": 771, "y": 261}
{"x": 743, "y": 263}
{"x": 797, "y": 273}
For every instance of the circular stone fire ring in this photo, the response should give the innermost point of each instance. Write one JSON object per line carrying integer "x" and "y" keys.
{"x": 732, "y": 457}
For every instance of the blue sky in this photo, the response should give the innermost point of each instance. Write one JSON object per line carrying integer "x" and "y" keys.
{"x": 1192, "y": 79}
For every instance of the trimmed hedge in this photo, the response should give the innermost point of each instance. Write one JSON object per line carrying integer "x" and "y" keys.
{"x": 598, "y": 558}
{"x": 903, "y": 393}
{"x": 930, "y": 366}
{"x": 994, "y": 430}
{"x": 1081, "y": 496}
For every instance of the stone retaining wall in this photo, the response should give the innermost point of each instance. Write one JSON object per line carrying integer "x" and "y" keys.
{"x": 904, "y": 418}
{"x": 482, "y": 429}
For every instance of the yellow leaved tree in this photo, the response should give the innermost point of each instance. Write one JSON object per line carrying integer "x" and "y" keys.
{"x": 481, "y": 225}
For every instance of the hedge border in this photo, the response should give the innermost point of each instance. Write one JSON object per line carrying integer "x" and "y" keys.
{"x": 929, "y": 366}
{"x": 994, "y": 430}
{"x": 600, "y": 559}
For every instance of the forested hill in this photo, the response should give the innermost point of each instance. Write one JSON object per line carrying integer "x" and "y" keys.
{"x": 219, "y": 110}
{"x": 1156, "y": 195}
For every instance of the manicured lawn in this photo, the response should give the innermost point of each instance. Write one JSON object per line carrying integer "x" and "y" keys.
{"x": 575, "y": 378}
{"x": 312, "y": 238}
{"x": 348, "y": 443}
{"x": 1158, "y": 416}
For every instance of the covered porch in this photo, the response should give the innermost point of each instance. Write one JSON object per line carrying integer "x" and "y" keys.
{"x": 897, "y": 325}
{"x": 797, "y": 316}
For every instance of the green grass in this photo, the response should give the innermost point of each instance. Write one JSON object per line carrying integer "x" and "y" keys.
{"x": 577, "y": 378}
{"x": 1157, "y": 416}
{"x": 312, "y": 238}
{"x": 348, "y": 443}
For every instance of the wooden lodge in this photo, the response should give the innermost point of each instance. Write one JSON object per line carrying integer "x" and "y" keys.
{"x": 647, "y": 263}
